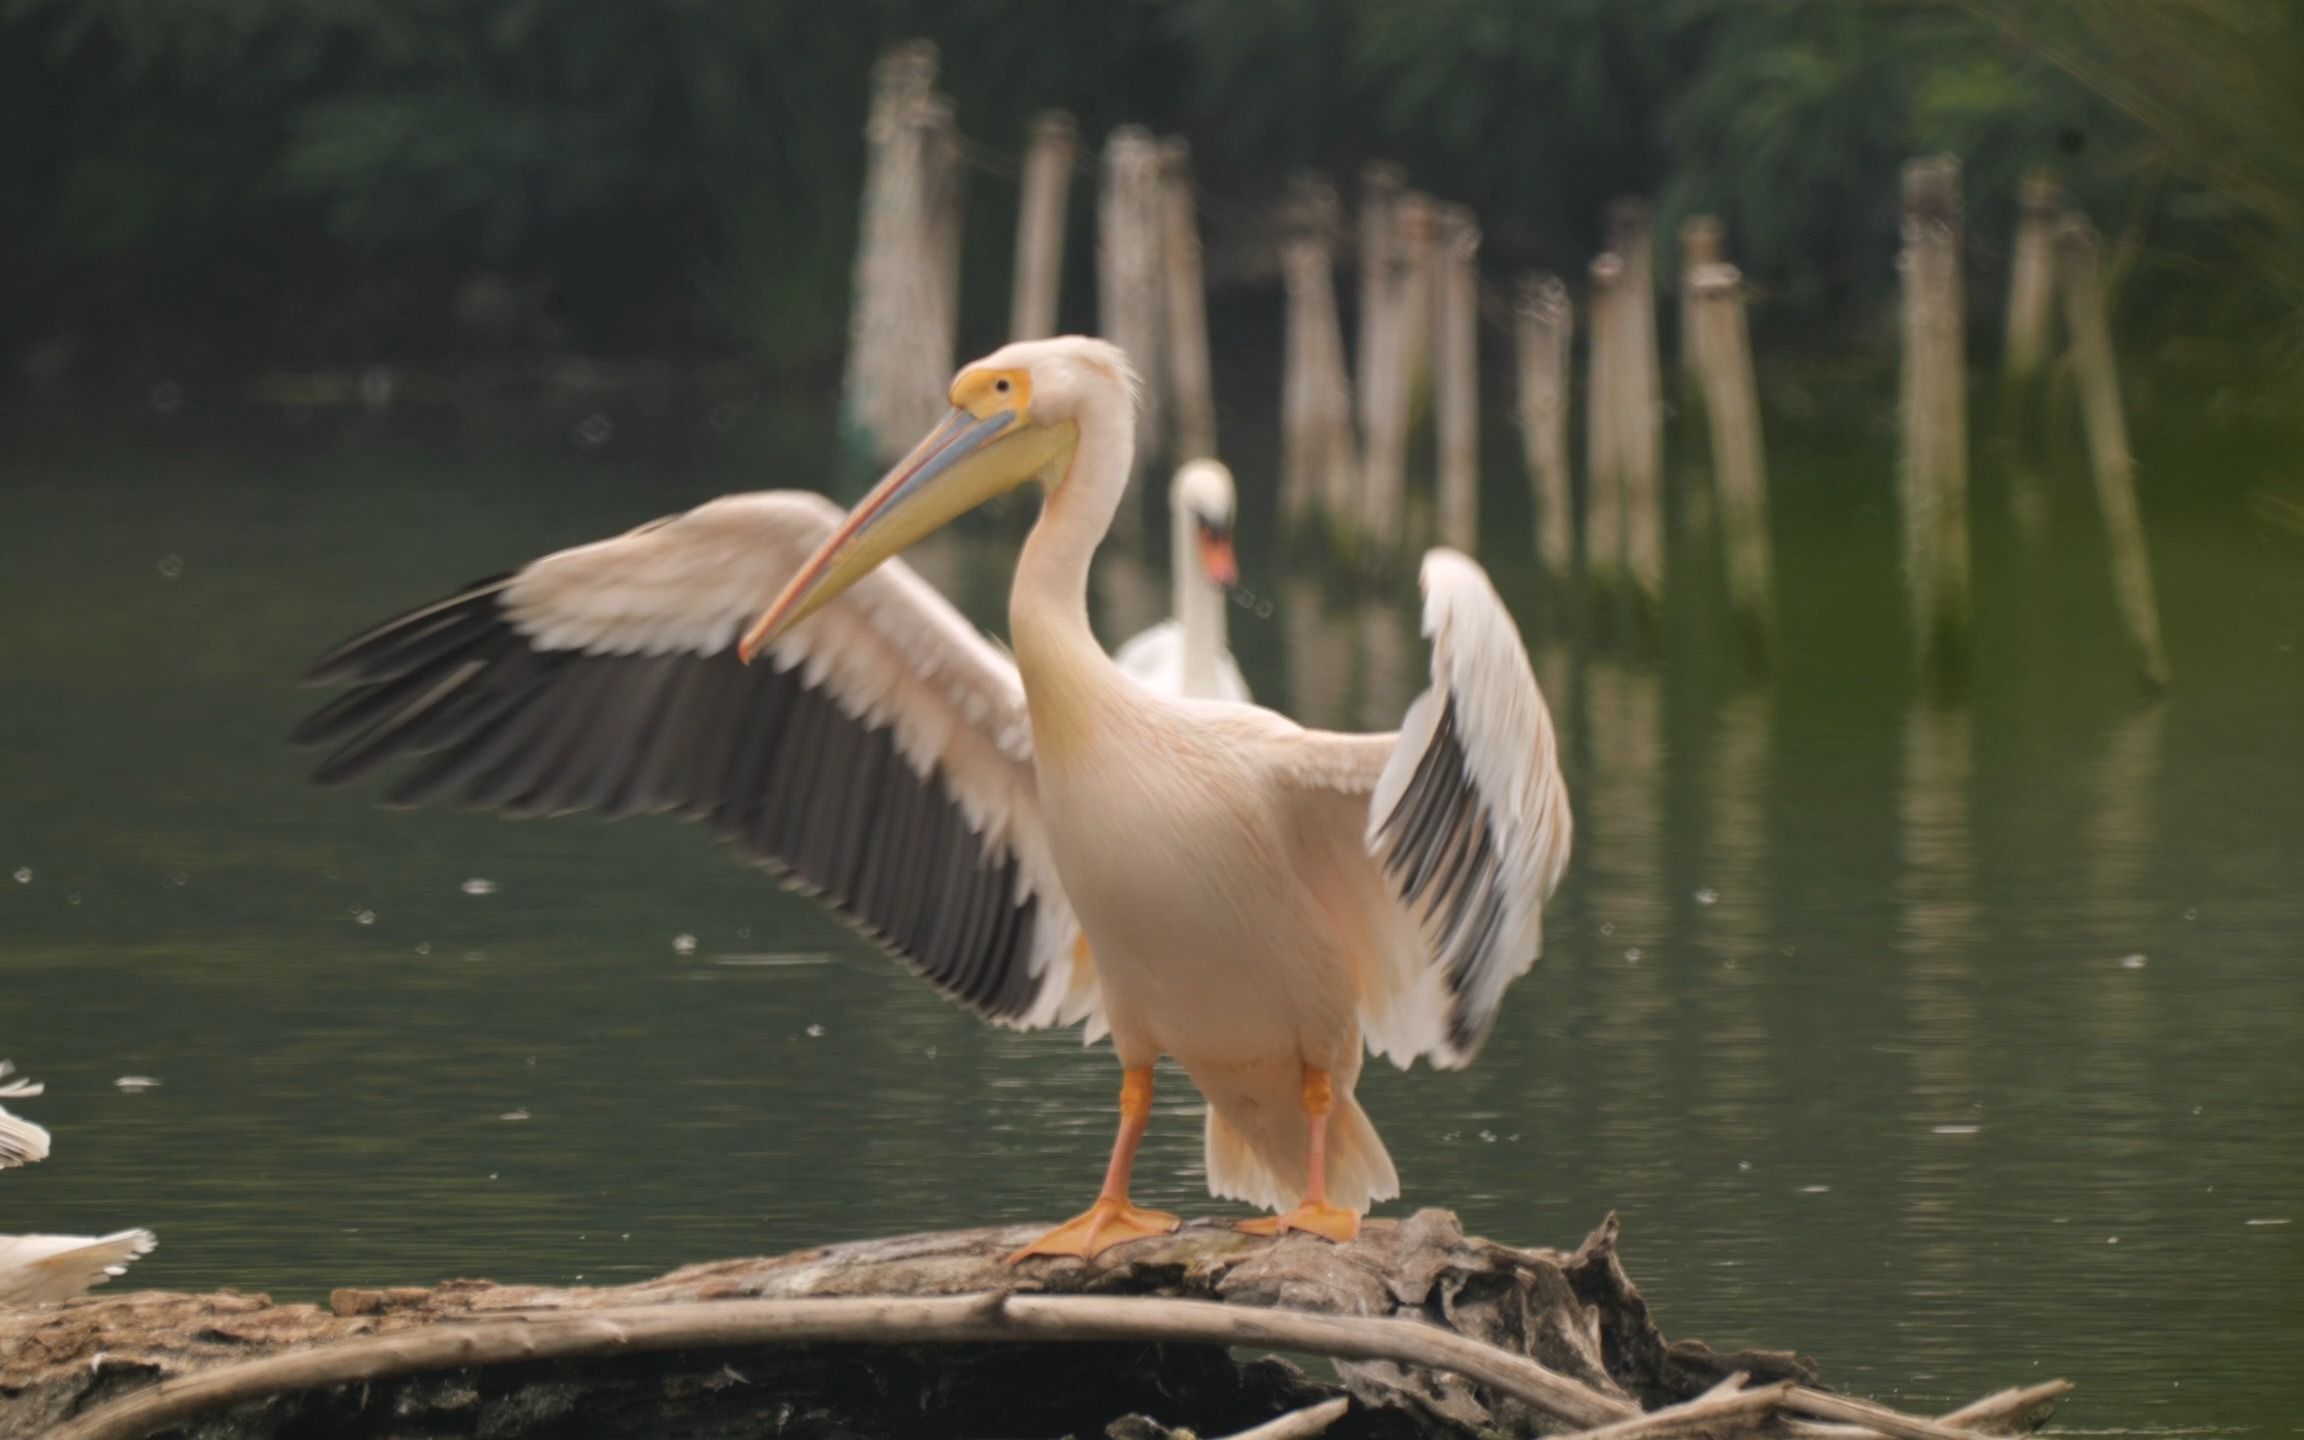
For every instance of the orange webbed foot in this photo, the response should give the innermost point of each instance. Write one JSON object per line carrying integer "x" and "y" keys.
{"x": 1332, "y": 1222}
{"x": 1107, "y": 1223}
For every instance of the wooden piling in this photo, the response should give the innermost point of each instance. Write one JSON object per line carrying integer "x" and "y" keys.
{"x": 1049, "y": 158}
{"x": 1700, "y": 245}
{"x": 889, "y": 250}
{"x": 1456, "y": 380}
{"x": 1543, "y": 321}
{"x": 1935, "y": 414}
{"x": 1402, "y": 337}
{"x": 2032, "y": 275}
{"x": 935, "y": 343}
{"x": 1603, "y": 447}
{"x": 2080, "y": 277}
{"x": 1639, "y": 404}
{"x": 1318, "y": 466}
{"x": 1380, "y": 185}
{"x": 1721, "y": 348}
{"x": 1192, "y": 384}
{"x": 1129, "y": 312}
{"x": 2031, "y": 319}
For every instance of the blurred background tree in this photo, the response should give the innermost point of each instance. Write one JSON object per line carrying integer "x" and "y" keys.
{"x": 290, "y": 181}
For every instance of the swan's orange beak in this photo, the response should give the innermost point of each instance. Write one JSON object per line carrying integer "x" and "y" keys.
{"x": 1217, "y": 561}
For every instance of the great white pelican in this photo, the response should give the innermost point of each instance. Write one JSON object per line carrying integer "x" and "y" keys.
{"x": 1045, "y": 839}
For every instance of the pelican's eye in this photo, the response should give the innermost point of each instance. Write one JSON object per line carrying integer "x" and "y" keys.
{"x": 1002, "y": 385}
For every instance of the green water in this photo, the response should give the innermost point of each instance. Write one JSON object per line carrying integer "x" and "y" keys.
{"x": 1839, "y": 1009}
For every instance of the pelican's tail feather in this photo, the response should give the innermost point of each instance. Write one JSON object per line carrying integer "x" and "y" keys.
{"x": 42, "y": 1269}
{"x": 1268, "y": 1167}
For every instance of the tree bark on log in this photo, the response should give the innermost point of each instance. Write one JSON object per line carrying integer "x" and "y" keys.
{"x": 936, "y": 1335}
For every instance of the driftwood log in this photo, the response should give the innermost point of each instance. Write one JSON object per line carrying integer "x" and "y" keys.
{"x": 1431, "y": 1333}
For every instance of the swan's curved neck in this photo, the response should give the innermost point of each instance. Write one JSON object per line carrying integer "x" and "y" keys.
{"x": 1056, "y": 650}
{"x": 1199, "y": 604}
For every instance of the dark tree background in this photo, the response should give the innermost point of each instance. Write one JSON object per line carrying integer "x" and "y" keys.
{"x": 282, "y": 182}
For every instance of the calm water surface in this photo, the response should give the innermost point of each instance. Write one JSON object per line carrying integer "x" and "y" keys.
{"x": 1955, "y": 1045}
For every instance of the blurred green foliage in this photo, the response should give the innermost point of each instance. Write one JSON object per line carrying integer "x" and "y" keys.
{"x": 322, "y": 179}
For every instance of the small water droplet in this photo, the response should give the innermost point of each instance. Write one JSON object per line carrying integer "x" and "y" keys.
{"x": 743, "y": 932}
{"x": 1606, "y": 928}
{"x": 72, "y": 898}
{"x": 2191, "y": 912}
{"x": 167, "y": 397}
{"x": 721, "y": 416}
{"x": 930, "y": 1052}
{"x": 135, "y": 1084}
{"x": 2132, "y": 962}
{"x": 1263, "y": 609}
{"x": 363, "y": 917}
{"x": 2282, "y": 1220}
{"x": 178, "y": 879}
{"x": 815, "y": 1032}
{"x": 23, "y": 874}
{"x": 1815, "y": 1189}
{"x": 491, "y": 1174}
{"x": 1743, "y": 1165}
{"x": 2111, "y": 1239}
{"x": 423, "y": 947}
{"x": 1707, "y": 896}
{"x": 1955, "y": 1129}
{"x": 594, "y": 429}
{"x": 478, "y": 886}
{"x": 475, "y": 955}
{"x": 513, "y": 1115}
{"x": 170, "y": 566}
{"x": 1632, "y": 956}
{"x": 683, "y": 944}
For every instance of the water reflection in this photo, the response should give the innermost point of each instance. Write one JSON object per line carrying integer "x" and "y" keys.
{"x": 1876, "y": 1082}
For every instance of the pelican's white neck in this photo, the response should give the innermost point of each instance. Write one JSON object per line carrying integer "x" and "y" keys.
{"x": 1056, "y": 650}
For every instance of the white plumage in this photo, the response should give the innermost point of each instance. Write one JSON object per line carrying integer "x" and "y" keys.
{"x": 1187, "y": 654}
{"x": 1260, "y": 900}
{"x": 42, "y": 1269}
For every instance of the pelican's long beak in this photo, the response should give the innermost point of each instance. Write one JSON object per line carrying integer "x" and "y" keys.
{"x": 966, "y": 460}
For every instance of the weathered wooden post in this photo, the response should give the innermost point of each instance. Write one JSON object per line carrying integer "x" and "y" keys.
{"x": 1318, "y": 467}
{"x": 1603, "y": 443}
{"x": 888, "y": 248}
{"x": 2079, "y": 271}
{"x": 2032, "y": 275}
{"x": 934, "y": 345}
{"x": 1721, "y": 346}
{"x": 1700, "y": 240}
{"x": 1935, "y": 413}
{"x": 1640, "y": 404}
{"x": 1192, "y": 383}
{"x": 1128, "y": 304}
{"x": 1048, "y": 162}
{"x": 1406, "y": 338}
{"x": 1380, "y": 185}
{"x": 1542, "y": 323}
{"x": 1456, "y": 379}
{"x": 2031, "y": 317}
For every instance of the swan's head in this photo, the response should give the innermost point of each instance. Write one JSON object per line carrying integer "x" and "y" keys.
{"x": 1015, "y": 417}
{"x": 1203, "y": 496}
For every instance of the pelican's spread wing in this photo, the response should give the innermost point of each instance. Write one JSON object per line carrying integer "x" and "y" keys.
{"x": 878, "y": 756}
{"x": 21, "y": 1141}
{"x": 42, "y": 1269}
{"x": 1466, "y": 820}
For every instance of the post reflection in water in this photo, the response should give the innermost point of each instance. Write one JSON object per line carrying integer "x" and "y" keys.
{"x": 1943, "y": 1119}
{"x": 1731, "y": 919}
{"x": 1620, "y": 834}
